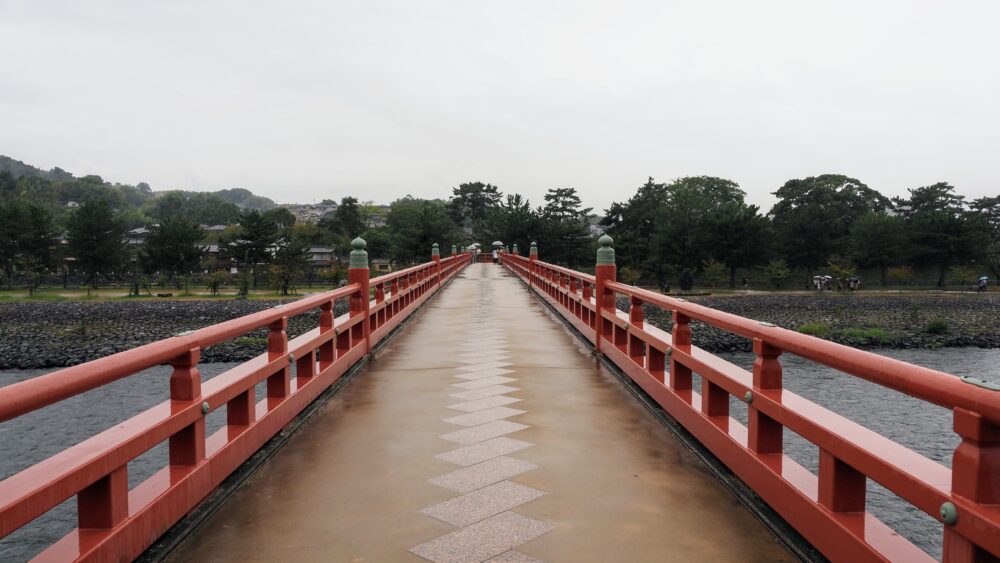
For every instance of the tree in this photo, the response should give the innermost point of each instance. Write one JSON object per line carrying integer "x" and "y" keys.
{"x": 632, "y": 225}
{"x": 252, "y": 244}
{"x": 564, "y": 231}
{"x": 347, "y": 220}
{"x": 513, "y": 221}
{"x": 201, "y": 208}
{"x": 291, "y": 259}
{"x": 989, "y": 209}
{"x": 172, "y": 247}
{"x": 738, "y": 236}
{"x": 470, "y": 202}
{"x": 96, "y": 237}
{"x": 415, "y": 224}
{"x": 27, "y": 235}
{"x": 942, "y": 232}
{"x": 878, "y": 239}
{"x": 281, "y": 217}
{"x": 685, "y": 224}
{"x": 813, "y": 216}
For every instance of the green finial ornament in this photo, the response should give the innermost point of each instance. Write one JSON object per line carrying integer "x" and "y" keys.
{"x": 454, "y": 249}
{"x": 515, "y": 248}
{"x": 534, "y": 248}
{"x": 359, "y": 256}
{"x": 434, "y": 250}
{"x": 605, "y": 254}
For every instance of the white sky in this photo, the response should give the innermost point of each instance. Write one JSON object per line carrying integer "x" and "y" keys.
{"x": 306, "y": 100}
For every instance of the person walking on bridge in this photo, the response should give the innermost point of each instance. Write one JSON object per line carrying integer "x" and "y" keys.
{"x": 496, "y": 256}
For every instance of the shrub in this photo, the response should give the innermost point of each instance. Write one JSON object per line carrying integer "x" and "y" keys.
{"x": 814, "y": 329}
{"x": 777, "y": 273}
{"x": 937, "y": 326}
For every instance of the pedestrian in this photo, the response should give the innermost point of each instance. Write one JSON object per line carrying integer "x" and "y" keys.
{"x": 478, "y": 252}
{"x": 496, "y": 256}
{"x": 744, "y": 282}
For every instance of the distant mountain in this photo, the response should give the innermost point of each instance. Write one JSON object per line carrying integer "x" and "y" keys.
{"x": 18, "y": 169}
{"x": 244, "y": 199}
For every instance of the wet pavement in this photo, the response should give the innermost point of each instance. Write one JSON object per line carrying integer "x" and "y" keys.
{"x": 484, "y": 431}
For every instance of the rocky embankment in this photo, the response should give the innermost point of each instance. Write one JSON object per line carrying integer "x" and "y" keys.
{"x": 864, "y": 321}
{"x": 46, "y": 335}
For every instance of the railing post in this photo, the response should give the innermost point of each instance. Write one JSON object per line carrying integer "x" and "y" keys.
{"x": 532, "y": 266}
{"x": 454, "y": 250}
{"x": 974, "y": 469}
{"x": 436, "y": 258}
{"x": 680, "y": 374}
{"x": 636, "y": 347}
{"x": 327, "y": 350}
{"x": 765, "y": 432}
{"x": 605, "y": 271}
{"x": 187, "y": 447}
{"x": 360, "y": 304}
{"x": 279, "y": 385}
{"x": 516, "y": 253}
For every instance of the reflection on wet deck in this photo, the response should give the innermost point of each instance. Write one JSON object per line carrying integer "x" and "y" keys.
{"x": 483, "y": 431}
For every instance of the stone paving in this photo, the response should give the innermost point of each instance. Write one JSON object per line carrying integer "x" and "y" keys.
{"x": 483, "y": 432}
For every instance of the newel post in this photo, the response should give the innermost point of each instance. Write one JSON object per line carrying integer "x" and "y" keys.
{"x": 516, "y": 253}
{"x": 436, "y": 258}
{"x": 532, "y": 258}
{"x": 454, "y": 250}
{"x": 605, "y": 271}
{"x": 361, "y": 302}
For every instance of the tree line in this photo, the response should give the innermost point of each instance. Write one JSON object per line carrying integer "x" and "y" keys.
{"x": 831, "y": 223}
{"x": 694, "y": 226}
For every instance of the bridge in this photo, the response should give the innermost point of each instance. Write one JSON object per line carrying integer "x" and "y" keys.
{"x": 462, "y": 411}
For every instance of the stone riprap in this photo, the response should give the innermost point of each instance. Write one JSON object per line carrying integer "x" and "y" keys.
{"x": 48, "y": 335}
{"x": 900, "y": 321}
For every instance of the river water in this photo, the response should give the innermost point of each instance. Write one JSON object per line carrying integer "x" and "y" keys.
{"x": 913, "y": 423}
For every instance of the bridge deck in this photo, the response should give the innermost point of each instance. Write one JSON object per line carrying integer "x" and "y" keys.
{"x": 484, "y": 431}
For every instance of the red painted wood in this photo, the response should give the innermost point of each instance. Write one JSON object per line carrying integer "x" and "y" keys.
{"x": 829, "y": 510}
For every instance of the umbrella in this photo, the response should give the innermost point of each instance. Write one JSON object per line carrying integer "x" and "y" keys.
{"x": 497, "y": 243}
{"x": 983, "y": 278}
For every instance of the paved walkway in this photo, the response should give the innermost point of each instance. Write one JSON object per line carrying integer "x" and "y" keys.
{"x": 483, "y": 432}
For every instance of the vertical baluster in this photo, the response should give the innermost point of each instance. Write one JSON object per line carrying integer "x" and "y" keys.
{"x": 187, "y": 447}
{"x": 327, "y": 350}
{"x": 841, "y": 487}
{"x": 680, "y": 374}
{"x": 104, "y": 503}
{"x": 279, "y": 385}
{"x": 975, "y": 467}
{"x": 765, "y": 432}
{"x": 636, "y": 347}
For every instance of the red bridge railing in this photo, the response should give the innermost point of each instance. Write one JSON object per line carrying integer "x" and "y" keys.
{"x": 115, "y": 523}
{"x": 828, "y": 509}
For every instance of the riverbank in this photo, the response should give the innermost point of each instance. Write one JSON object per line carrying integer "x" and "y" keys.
{"x": 58, "y": 334}
{"x": 863, "y": 321}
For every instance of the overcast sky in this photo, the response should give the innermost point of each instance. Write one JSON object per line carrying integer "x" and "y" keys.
{"x": 300, "y": 101}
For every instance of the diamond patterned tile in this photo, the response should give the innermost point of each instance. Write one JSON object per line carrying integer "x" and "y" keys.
{"x": 483, "y": 503}
{"x": 486, "y": 473}
{"x": 484, "y": 365}
{"x": 483, "y": 432}
{"x": 477, "y": 453}
{"x": 484, "y": 382}
{"x": 486, "y": 372}
{"x": 480, "y": 417}
{"x": 484, "y": 403}
{"x": 484, "y": 392}
{"x": 483, "y": 540}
